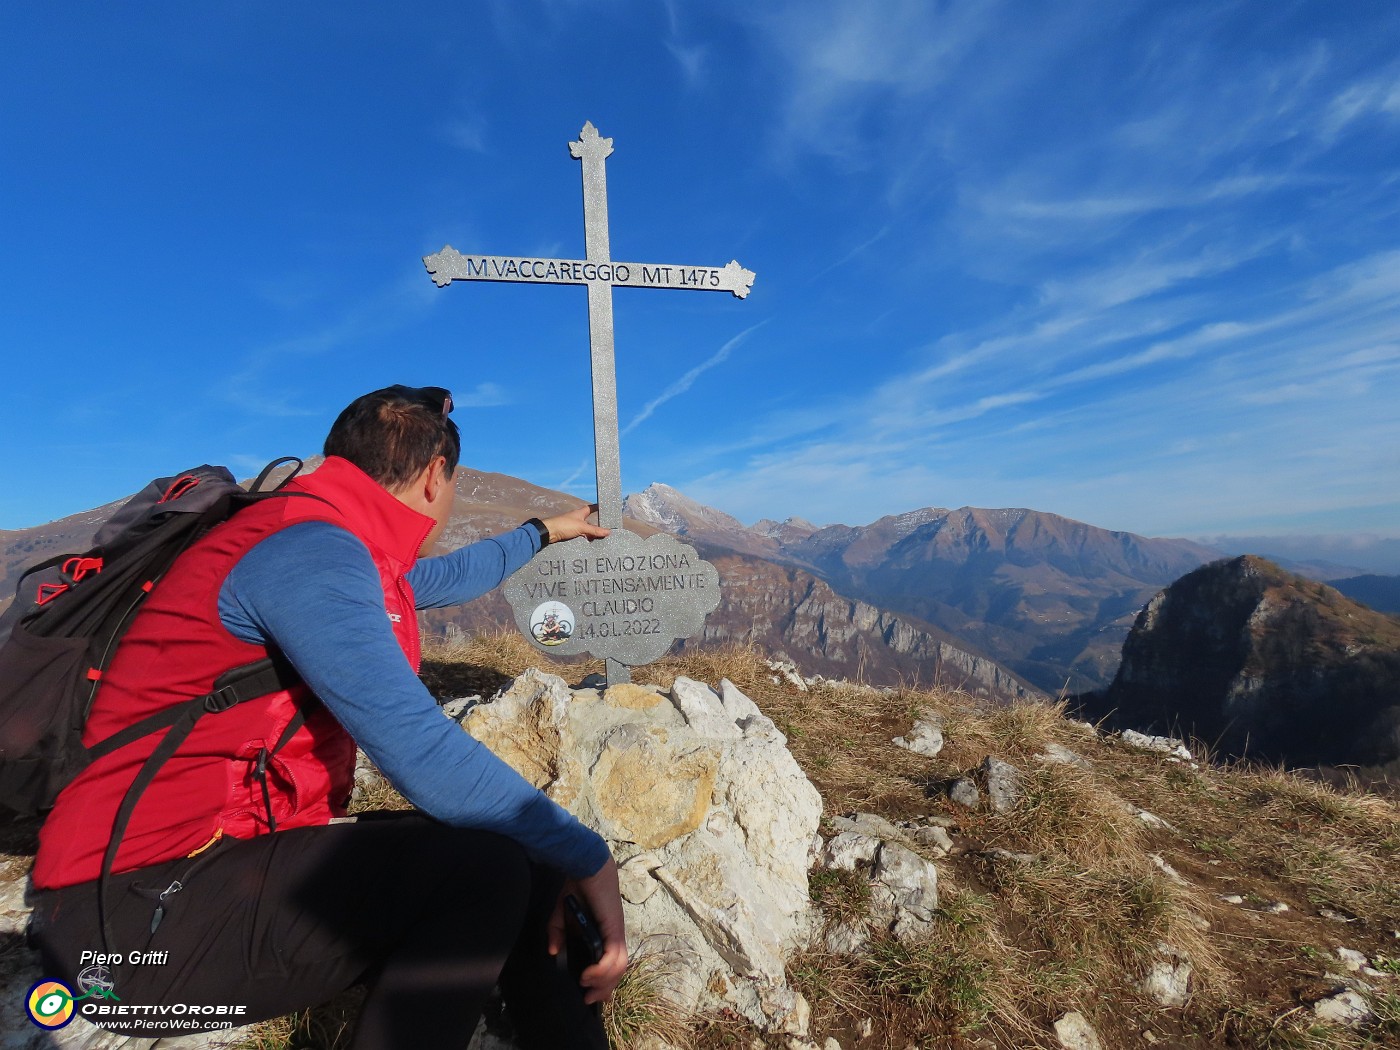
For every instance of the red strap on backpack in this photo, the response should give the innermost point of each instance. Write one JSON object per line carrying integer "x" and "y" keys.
{"x": 48, "y": 592}
{"x": 77, "y": 567}
{"x": 178, "y": 488}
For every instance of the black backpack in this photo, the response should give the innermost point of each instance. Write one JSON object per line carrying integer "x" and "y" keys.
{"x": 70, "y": 612}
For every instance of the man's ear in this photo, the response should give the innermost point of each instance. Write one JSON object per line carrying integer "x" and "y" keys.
{"x": 437, "y": 479}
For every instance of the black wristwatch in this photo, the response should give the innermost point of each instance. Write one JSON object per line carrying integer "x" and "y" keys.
{"x": 542, "y": 529}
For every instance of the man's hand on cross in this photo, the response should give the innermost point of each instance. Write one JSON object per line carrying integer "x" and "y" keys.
{"x": 574, "y": 524}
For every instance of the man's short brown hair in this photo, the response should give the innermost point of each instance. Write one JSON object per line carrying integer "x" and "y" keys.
{"x": 395, "y": 433}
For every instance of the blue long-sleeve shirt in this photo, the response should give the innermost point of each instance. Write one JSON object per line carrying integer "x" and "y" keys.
{"x": 312, "y": 590}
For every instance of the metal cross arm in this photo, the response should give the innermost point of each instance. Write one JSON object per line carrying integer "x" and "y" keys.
{"x": 451, "y": 265}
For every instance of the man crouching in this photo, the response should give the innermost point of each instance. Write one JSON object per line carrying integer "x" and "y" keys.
{"x": 238, "y": 883}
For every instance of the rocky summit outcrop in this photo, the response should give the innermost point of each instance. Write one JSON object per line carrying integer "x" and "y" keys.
{"x": 1259, "y": 662}
{"x": 710, "y": 818}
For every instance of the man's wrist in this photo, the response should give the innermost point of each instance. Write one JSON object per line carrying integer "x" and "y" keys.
{"x": 542, "y": 529}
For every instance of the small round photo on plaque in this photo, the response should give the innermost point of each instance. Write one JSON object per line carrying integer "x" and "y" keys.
{"x": 552, "y": 623}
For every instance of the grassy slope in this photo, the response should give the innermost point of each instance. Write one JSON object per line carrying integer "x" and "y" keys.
{"x": 1021, "y": 942}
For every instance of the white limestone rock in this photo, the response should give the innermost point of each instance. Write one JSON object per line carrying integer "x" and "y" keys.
{"x": 707, "y": 812}
{"x": 1357, "y": 962}
{"x": 849, "y": 851}
{"x": 903, "y": 885}
{"x": 903, "y": 892}
{"x": 703, "y": 710}
{"x": 792, "y": 1007}
{"x": 788, "y": 671}
{"x": 1162, "y": 745}
{"x": 635, "y": 878}
{"x": 934, "y": 839}
{"x": 964, "y": 792}
{"x": 458, "y": 708}
{"x": 998, "y": 853}
{"x": 926, "y": 738}
{"x": 905, "y": 881}
{"x": 1074, "y": 1032}
{"x": 1003, "y": 784}
{"x": 871, "y": 824}
{"x": 847, "y": 938}
{"x": 1058, "y": 754}
{"x": 745, "y": 714}
{"x": 1159, "y": 862}
{"x": 1152, "y": 820}
{"x": 1346, "y": 1008}
{"x": 1168, "y": 982}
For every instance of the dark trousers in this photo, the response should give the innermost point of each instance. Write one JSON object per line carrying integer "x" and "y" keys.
{"x": 429, "y": 916}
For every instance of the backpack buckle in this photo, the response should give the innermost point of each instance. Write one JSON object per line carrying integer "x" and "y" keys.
{"x": 221, "y": 700}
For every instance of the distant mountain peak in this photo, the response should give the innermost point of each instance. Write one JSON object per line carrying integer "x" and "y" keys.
{"x": 913, "y": 520}
{"x": 666, "y": 508}
{"x": 789, "y": 530}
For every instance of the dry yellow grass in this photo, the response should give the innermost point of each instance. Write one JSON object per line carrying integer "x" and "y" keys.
{"x": 640, "y": 1010}
{"x": 481, "y": 664}
{"x": 378, "y": 794}
{"x": 1069, "y": 813}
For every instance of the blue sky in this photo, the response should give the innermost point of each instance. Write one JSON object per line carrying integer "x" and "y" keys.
{"x": 1131, "y": 262}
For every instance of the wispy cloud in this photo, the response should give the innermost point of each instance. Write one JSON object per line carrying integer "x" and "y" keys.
{"x": 466, "y": 133}
{"x": 573, "y": 477}
{"x": 1096, "y": 208}
{"x": 691, "y": 61}
{"x": 685, "y": 382}
{"x": 1375, "y": 96}
{"x": 845, "y": 58}
{"x": 690, "y": 57}
{"x": 484, "y": 395}
{"x": 870, "y": 242}
{"x": 254, "y": 388}
{"x": 1211, "y": 407}
{"x": 1178, "y": 339}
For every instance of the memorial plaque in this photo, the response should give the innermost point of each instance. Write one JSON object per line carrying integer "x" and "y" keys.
{"x": 623, "y": 598}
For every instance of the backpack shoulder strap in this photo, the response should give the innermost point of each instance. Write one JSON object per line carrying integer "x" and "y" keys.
{"x": 231, "y": 688}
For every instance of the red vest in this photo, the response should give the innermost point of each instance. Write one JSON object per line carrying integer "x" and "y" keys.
{"x": 174, "y": 650}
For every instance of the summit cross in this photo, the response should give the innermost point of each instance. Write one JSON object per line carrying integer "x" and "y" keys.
{"x": 600, "y": 273}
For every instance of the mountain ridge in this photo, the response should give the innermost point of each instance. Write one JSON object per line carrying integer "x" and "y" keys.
{"x": 782, "y": 608}
{"x": 1048, "y": 597}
